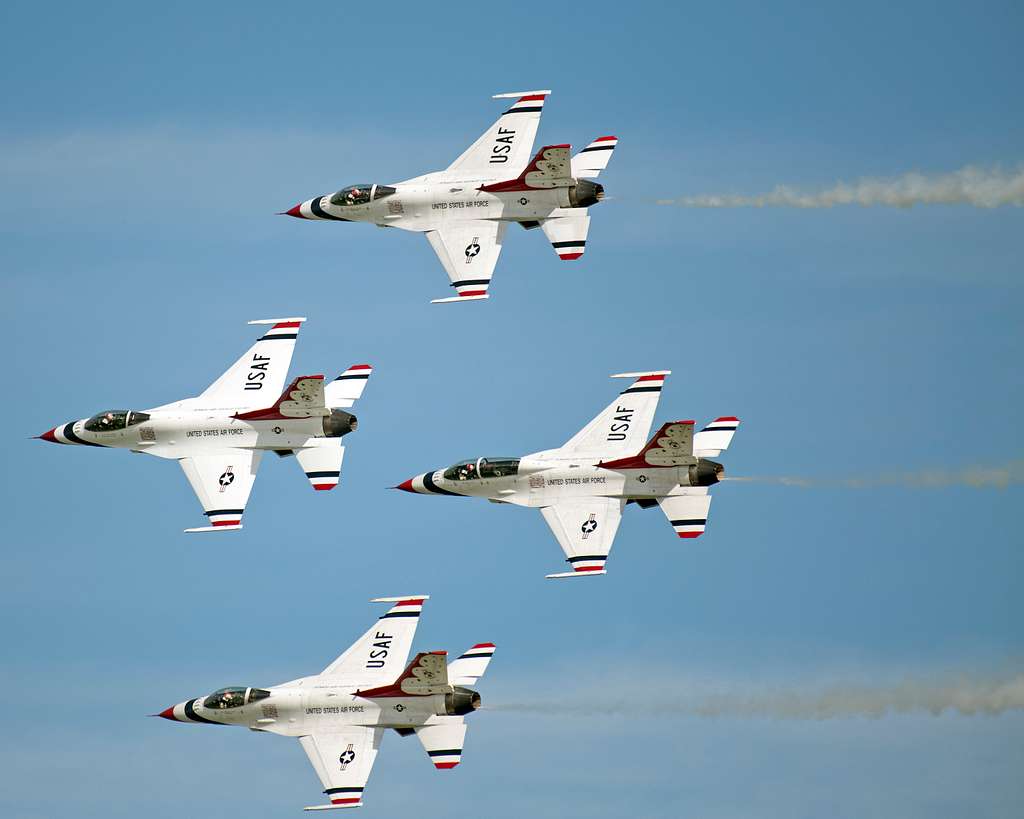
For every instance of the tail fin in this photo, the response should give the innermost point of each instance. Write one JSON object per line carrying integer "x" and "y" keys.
{"x": 568, "y": 234}
{"x": 594, "y": 158}
{"x": 426, "y": 675}
{"x": 548, "y": 169}
{"x": 321, "y": 460}
{"x": 470, "y": 667}
{"x": 672, "y": 445}
{"x": 347, "y": 388}
{"x": 264, "y": 366}
{"x": 715, "y": 437}
{"x": 443, "y": 741}
{"x": 303, "y": 398}
{"x": 506, "y": 145}
{"x": 624, "y": 423}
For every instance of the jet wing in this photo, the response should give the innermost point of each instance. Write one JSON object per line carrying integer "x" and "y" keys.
{"x": 222, "y": 480}
{"x": 687, "y": 511}
{"x": 585, "y": 529}
{"x": 378, "y": 657}
{"x": 504, "y": 148}
{"x": 343, "y": 761}
{"x": 567, "y": 230}
{"x": 468, "y": 251}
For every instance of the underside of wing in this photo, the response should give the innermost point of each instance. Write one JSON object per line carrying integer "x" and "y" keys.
{"x": 468, "y": 251}
{"x": 585, "y": 529}
{"x": 343, "y": 761}
{"x": 222, "y": 480}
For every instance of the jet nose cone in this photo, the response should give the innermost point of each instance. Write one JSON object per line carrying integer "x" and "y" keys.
{"x": 49, "y": 436}
{"x": 167, "y": 713}
{"x": 296, "y": 212}
{"x": 406, "y": 486}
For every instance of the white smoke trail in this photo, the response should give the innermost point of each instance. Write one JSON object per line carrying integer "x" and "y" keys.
{"x": 971, "y": 185}
{"x": 964, "y": 696}
{"x": 977, "y": 477}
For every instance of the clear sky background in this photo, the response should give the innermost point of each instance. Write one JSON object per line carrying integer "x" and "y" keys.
{"x": 143, "y": 153}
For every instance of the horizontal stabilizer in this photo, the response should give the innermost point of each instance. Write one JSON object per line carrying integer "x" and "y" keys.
{"x": 687, "y": 513}
{"x": 715, "y": 437}
{"x": 568, "y": 234}
{"x": 593, "y": 159}
{"x": 443, "y": 741}
{"x": 470, "y": 667}
{"x": 321, "y": 461}
{"x": 348, "y": 387}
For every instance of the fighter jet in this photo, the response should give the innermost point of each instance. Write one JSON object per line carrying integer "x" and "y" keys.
{"x": 340, "y": 715}
{"x": 220, "y": 436}
{"x": 465, "y": 209}
{"x": 582, "y": 488}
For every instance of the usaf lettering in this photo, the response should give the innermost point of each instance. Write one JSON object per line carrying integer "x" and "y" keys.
{"x": 257, "y": 372}
{"x": 380, "y": 650}
{"x": 618, "y": 429}
{"x": 502, "y": 146}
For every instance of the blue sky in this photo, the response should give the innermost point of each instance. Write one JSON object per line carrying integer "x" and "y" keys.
{"x": 143, "y": 154}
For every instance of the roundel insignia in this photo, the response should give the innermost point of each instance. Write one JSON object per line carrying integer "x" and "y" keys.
{"x": 642, "y": 478}
{"x": 347, "y": 757}
{"x": 589, "y": 526}
{"x": 399, "y": 708}
{"x": 472, "y": 249}
{"x": 227, "y": 478}
{"x": 523, "y": 200}
{"x": 278, "y": 430}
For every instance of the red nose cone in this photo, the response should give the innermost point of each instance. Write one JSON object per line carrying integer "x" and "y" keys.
{"x": 406, "y": 486}
{"x": 49, "y": 436}
{"x": 296, "y": 212}
{"x": 168, "y": 713}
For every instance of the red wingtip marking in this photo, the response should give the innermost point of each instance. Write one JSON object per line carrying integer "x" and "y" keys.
{"x": 282, "y": 325}
{"x": 588, "y": 568}
{"x": 324, "y": 487}
{"x": 473, "y": 293}
{"x": 227, "y": 522}
{"x": 360, "y": 367}
{"x": 415, "y": 601}
{"x": 568, "y": 257}
{"x": 605, "y": 138}
{"x": 49, "y": 436}
{"x": 346, "y": 801}
{"x": 655, "y": 378}
{"x": 484, "y": 645}
{"x": 296, "y": 212}
{"x": 690, "y": 534}
{"x": 728, "y": 418}
{"x": 445, "y": 765}
{"x": 532, "y": 98}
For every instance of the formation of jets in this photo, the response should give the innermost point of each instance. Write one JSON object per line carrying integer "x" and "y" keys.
{"x": 582, "y": 488}
{"x": 465, "y": 209}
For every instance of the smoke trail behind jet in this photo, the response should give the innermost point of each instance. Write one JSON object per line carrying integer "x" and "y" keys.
{"x": 977, "y": 477}
{"x": 965, "y": 696}
{"x": 971, "y": 185}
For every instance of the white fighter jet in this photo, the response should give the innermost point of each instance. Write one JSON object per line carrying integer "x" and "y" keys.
{"x": 465, "y": 209}
{"x": 340, "y": 715}
{"x": 582, "y": 488}
{"x": 220, "y": 436}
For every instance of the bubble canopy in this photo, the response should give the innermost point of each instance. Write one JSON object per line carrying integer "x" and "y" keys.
{"x": 482, "y": 468}
{"x": 113, "y": 420}
{"x": 360, "y": 194}
{"x": 233, "y": 697}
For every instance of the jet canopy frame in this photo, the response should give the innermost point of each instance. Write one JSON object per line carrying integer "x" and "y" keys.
{"x": 484, "y": 468}
{"x": 114, "y": 420}
{"x": 360, "y": 194}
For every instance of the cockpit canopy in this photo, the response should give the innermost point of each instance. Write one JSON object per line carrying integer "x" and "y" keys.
{"x": 482, "y": 468}
{"x": 234, "y": 697}
{"x": 113, "y": 420}
{"x": 360, "y": 194}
